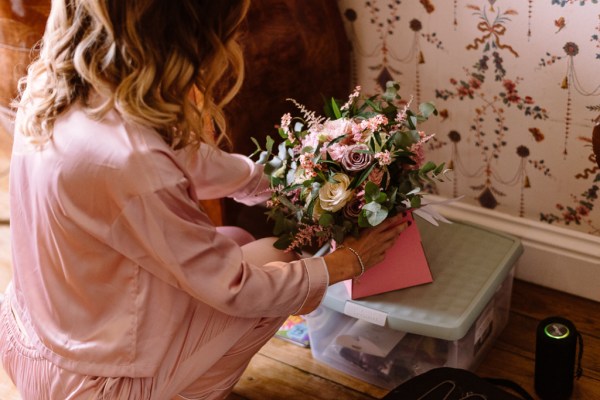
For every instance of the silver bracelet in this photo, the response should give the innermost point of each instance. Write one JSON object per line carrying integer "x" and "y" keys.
{"x": 360, "y": 261}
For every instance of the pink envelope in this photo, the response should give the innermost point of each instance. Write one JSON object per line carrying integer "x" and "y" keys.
{"x": 405, "y": 265}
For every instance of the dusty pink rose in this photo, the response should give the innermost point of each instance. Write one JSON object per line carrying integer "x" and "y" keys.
{"x": 353, "y": 208}
{"x": 357, "y": 161}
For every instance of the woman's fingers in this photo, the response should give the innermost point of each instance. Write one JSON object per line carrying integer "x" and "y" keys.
{"x": 391, "y": 231}
{"x": 374, "y": 243}
{"x": 370, "y": 247}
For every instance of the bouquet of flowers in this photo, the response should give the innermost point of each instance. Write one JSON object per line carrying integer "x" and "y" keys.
{"x": 332, "y": 176}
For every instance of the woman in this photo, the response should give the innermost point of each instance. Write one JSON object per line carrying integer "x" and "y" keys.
{"x": 123, "y": 289}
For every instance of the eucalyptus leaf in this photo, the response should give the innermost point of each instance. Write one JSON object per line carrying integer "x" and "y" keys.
{"x": 375, "y": 213}
{"x": 391, "y": 91}
{"x": 253, "y": 139}
{"x": 412, "y": 121}
{"x": 263, "y": 157}
{"x": 283, "y": 153}
{"x": 381, "y": 198}
{"x": 363, "y": 221}
{"x": 290, "y": 176}
{"x": 275, "y": 163}
{"x": 269, "y": 144}
{"x": 427, "y": 109}
{"x": 371, "y": 190}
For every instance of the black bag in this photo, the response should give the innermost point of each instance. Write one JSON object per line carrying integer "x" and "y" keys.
{"x": 455, "y": 384}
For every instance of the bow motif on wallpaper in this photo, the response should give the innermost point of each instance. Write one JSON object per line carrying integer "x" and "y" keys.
{"x": 495, "y": 30}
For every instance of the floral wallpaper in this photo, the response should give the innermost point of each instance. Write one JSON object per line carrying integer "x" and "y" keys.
{"x": 517, "y": 86}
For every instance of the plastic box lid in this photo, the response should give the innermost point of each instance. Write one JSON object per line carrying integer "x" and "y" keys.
{"x": 468, "y": 264}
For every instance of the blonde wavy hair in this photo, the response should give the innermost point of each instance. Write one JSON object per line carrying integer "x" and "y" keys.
{"x": 148, "y": 59}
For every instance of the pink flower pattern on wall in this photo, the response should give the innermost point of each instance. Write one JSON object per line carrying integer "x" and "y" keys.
{"x": 489, "y": 126}
{"x": 513, "y": 128}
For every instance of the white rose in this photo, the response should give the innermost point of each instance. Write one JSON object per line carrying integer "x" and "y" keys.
{"x": 334, "y": 195}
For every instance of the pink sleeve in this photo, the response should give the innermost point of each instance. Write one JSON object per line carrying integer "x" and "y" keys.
{"x": 217, "y": 174}
{"x": 166, "y": 234}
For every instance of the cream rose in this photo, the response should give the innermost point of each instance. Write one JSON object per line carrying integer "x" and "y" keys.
{"x": 334, "y": 195}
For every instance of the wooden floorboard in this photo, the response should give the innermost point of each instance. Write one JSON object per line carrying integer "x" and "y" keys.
{"x": 283, "y": 371}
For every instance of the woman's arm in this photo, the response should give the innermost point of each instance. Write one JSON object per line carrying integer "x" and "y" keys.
{"x": 217, "y": 174}
{"x": 366, "y": 251}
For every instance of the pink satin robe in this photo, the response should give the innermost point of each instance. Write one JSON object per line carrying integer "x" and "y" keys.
{"x": 113, "y": 257}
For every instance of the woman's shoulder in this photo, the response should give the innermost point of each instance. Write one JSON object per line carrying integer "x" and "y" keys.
{"x": 123, "y": 151}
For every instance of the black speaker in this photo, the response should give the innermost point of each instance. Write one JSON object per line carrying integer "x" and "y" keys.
{"x": 555, "y": 349}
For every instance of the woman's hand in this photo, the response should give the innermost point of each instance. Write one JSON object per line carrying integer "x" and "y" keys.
{"x": 369, "y": 248}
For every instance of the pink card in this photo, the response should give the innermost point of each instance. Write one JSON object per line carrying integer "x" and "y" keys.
{"x": 405, "y": 265}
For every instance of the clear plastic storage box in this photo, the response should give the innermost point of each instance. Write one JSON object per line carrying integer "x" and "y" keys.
{"x": 388, "y": 338}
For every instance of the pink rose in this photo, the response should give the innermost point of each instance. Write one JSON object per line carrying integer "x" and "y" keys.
{"x": 353, "y": 208}
{"x": 357, "y": 161}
